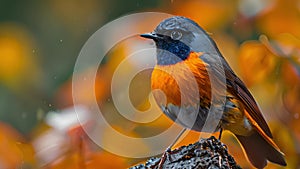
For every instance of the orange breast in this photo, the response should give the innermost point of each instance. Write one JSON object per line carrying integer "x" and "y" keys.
{"x": 184, "y": 83}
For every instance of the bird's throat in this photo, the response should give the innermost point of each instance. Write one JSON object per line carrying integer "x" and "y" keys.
{"x": 169, "y": 53}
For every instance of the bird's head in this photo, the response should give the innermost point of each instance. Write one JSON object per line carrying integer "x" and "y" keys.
{"x": 176, "y": 37}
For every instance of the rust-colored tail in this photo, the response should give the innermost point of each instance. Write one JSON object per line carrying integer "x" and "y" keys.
{"x": 259, "y": 150}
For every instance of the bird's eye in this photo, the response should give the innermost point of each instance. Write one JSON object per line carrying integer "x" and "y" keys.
{"x": 176, "y": 35}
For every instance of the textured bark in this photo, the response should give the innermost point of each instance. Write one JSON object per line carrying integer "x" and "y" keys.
{"x": 206, "y": 154}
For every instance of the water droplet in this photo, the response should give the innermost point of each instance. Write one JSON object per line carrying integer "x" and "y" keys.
{"x": 61, "y": 41}
{"x": 50, "y": 105}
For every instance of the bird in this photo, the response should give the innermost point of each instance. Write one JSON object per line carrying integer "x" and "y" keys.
{"x": 191, "y": 81}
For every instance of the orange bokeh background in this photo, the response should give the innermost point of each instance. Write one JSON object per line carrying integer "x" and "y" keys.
{"x": 40, "y": 41}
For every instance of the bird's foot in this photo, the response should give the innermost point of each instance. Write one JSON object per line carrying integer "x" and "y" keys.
{"x": 220, "y": 134}
{"x": 164, "y": 157}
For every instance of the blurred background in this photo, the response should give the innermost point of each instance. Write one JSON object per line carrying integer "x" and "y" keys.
{"x": 39, "y": 44}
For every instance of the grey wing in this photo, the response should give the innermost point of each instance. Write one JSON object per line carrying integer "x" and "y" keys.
{"x": 221, "y": 71}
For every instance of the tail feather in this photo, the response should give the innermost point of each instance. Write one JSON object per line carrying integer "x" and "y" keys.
{"x": 259, "y": 150}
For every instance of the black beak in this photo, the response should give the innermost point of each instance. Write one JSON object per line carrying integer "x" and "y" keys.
{"x": 153, "y": 36}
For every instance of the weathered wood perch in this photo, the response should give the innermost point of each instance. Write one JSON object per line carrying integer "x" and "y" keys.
{"x": 206, "y": 154}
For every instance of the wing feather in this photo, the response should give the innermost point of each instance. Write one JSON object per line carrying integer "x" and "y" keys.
{"x": 236, "y": 87}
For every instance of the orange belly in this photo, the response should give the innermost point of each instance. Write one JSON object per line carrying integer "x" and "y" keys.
{"x": 184, "y": 83}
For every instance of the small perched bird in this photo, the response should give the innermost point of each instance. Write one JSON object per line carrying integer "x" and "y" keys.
{"x": 192, "y": 81}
